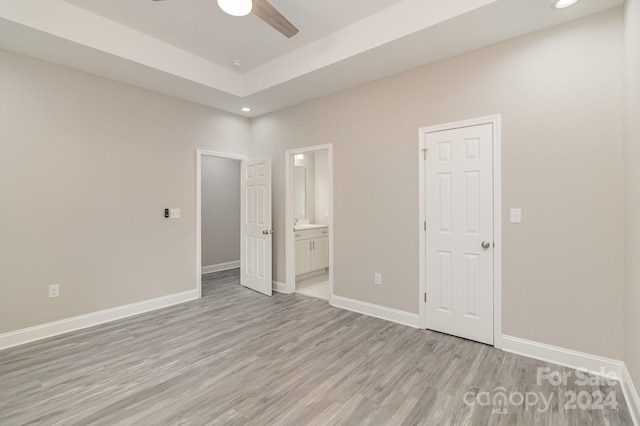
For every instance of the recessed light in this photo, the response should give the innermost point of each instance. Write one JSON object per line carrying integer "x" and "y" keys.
{"x": 561, "y": 4}
{"x": 245, "y": 109}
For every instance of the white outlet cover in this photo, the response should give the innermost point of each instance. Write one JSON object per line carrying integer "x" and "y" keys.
{"x": 377, "y": 278}
{"x": 174, "y": 213}
{"x": 54, "y": 290}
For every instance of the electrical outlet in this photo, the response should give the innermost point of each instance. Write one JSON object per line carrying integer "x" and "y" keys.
{"x": 377, "y": 278}
{"x": 54, "y": 290}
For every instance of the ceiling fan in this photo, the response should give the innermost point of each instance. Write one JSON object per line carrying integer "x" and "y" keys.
{"x": 263, "y": 10}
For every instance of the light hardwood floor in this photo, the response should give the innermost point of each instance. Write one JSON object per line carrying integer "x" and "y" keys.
{"x": 237, "y": 357}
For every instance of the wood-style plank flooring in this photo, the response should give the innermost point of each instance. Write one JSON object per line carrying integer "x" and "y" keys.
{"x": 236, "y": 357}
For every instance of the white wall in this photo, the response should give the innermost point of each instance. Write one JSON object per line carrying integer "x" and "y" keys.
{"x": 310, "y": 186}
{"x": 322, "y": 186}
{"x": 220, "y": 210}
{"x": 632, "y": 191}
{"x": 88, "y": 166}
{"x": 560, "y": 95}
{"x": 304, "y": 186}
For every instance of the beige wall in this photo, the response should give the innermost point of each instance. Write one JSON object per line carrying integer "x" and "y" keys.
{"x": 560, "y": 95}
{"x": 632, "y": 191}
{"x": 220, "y": 210}
{"x": 87, "y": 166}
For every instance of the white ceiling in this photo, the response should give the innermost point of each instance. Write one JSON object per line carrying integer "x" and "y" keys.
{"x": 200, "y": 27}
{"x": 184, "y": 48}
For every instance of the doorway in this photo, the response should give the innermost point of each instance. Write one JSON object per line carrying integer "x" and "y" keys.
{"x": 460, "y": 235}
{"x": 309, "y": 221}
{"x": 217, "y": 258}
{"x": 213, "y": 265}
{"x": 220, "y": 179}
{"x": 256, "y": 243}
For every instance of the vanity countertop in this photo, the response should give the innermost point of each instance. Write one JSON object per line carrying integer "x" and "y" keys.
{"x": 310, "y": 226}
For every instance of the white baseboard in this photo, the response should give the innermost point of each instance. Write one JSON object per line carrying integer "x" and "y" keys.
{"x": 579, "y": 360}
{"x": 43, "y": 331}
{"x": 631, "y": 395}
{"x": 382, "y": 312}
{"x": 281, "y": 287}
{"x": 594, "y": 364}
{"x": 220, "y": 267}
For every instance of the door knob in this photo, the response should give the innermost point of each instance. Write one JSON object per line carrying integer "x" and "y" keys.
{"x": 267, "y": 232}
{"x": 485, "y": 244}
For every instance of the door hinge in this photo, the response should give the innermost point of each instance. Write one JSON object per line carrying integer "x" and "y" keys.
{"x": 425, "y": 297}
{"x": 424, "y": 153}
{"x": 425, "y": 225}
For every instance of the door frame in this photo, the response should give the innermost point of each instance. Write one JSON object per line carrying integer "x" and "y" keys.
{"x": 290, "y": 245}
{"x": 199, "y": 154}
{"x": 496, "y": 121}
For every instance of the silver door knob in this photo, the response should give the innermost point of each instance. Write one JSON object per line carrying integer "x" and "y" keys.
{"x": 265, "y": 232}
{"x": 485, "y": 244}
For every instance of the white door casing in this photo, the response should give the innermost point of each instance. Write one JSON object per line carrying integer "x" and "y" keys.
{"x": 459, "y": 219}
{"x": 256, "y": 233}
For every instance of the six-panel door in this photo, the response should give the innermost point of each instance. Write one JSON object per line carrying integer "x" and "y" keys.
{"x": 459, "y": 221}
{"x": 256, "y": 233}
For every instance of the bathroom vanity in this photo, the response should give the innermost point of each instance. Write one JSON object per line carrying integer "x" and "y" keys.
{"x": 312, "y": 248}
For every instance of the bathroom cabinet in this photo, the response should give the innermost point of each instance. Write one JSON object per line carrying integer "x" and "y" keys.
{"x": 312, "y": 250}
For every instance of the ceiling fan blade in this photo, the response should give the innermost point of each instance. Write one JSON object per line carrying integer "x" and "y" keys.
{"x": 263, "y": 10}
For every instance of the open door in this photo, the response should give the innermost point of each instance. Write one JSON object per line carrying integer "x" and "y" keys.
{"x": 255, "y": 229}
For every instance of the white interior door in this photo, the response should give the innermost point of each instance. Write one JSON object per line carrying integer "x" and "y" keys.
{"x": 255, "y": 230}
{"x": 459, "y": 232}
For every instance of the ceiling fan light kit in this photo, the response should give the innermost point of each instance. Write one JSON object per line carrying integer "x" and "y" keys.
{"x": 236, "y": 7}
{"x": 260, "y": 8}
{"x": 563, "y": 4}
{"x": 263, "y": 10}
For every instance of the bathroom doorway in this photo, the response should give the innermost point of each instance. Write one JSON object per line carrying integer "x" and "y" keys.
{"x": 309, "y": 220}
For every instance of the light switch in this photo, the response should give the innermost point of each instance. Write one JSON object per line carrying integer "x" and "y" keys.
{"x": 516, "y": 215}
{"x": 377, "y": 278}
{"x": 174, "y": 213}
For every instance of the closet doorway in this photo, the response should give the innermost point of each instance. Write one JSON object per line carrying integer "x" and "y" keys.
{"x": 217, "y": 213}
{"x": 309, "y": 222}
